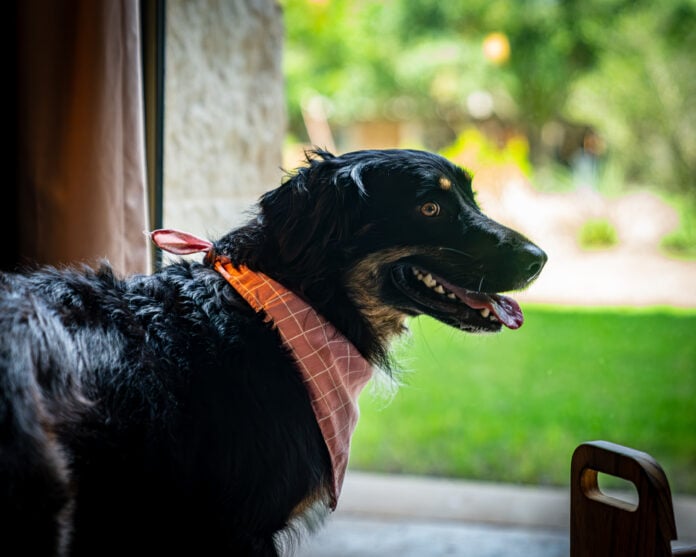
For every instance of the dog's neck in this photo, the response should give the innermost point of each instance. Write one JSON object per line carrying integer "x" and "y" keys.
{"x": 323, "y": 286}
{"x": 332, "y": 369}
{"x": 370, "y": 328}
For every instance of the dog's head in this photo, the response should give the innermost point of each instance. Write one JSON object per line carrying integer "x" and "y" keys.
{"x": 399, "y": 233}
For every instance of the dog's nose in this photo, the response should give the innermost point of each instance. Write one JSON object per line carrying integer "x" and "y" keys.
{"x": 533, "y": 260}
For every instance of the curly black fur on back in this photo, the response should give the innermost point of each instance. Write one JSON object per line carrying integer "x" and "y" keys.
{"x": 148, "y": 402}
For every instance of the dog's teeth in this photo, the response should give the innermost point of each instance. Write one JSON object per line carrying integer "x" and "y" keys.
{"x": 493, "y": 318}
{"x": 485, "y": 312}
{"x": 452, "y": 296}
{"x": 439, "y": 289}
{"x": 429, "y": 280}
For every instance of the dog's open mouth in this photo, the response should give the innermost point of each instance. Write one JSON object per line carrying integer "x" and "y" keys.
{"x": 468, "y": 310}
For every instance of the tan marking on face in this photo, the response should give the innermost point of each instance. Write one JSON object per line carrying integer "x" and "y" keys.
{"x": 445, "y": 183}
{"x": 363, "y": 288}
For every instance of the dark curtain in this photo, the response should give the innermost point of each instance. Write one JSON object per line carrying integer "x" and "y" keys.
{"x": 80, "y": 187}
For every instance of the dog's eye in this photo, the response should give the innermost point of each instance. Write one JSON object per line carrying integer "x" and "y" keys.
{"x": 430, "y": 209}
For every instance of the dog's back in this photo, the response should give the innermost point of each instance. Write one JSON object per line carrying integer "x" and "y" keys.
{"x": 120, "y": 411}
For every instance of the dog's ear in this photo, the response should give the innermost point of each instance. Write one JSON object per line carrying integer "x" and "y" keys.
{"x": 316, "y": 211}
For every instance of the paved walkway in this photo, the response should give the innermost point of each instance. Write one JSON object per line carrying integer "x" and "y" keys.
{"x": 617, "y": 277}
{"x": 634, "y": 272}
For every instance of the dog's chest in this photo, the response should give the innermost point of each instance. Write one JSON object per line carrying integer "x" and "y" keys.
{"x": 332, "y": 370}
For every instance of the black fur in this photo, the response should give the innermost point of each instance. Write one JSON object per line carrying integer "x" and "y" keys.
{"x": 159, "y": 414}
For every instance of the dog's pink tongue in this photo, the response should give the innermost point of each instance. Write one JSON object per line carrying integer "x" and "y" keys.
{"x": 506, "y": 309}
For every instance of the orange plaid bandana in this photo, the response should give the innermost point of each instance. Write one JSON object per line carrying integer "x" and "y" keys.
{"x": 333, "y": 370}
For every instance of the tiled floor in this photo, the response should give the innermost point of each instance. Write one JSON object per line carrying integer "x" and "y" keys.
{"x": 346, "y": 536}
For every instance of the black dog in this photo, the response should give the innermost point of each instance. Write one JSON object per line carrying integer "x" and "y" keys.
{"x": 163, "y": 415}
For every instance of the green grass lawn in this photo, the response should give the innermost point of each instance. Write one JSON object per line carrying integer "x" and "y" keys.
{"x": 513, "y": 407}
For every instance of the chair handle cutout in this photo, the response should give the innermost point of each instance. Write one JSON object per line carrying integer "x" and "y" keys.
{"x": 610, "y": 490}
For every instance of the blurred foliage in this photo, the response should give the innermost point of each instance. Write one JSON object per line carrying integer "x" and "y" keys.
{"x": 682, "y": 242}
{"x": 641, "y": 94}
{"x": 473, "y": 147}
{"x": 624, "y": 69}
{"x": 597, "y": 234}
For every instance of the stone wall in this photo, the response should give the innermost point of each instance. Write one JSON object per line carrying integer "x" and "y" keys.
{"x": 224, "y": 110}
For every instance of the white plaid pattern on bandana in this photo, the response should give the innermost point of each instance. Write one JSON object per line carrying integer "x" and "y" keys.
{"x": 332, "y": 369}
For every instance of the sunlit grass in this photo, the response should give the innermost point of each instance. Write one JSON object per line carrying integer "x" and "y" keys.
{"x": 513, "y": 407}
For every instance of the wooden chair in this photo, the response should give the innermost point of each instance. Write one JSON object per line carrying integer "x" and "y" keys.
{"x": 603, "y": 526}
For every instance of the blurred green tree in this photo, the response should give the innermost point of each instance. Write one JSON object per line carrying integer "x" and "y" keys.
{"x": 641, "y": 93}
{"x": 624, "y": 67}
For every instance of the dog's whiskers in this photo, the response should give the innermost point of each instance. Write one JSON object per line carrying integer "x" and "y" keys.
{"x": 458, "y": 252}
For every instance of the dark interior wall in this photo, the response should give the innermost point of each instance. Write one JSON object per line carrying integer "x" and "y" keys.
{"x": 9, "y": 250}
